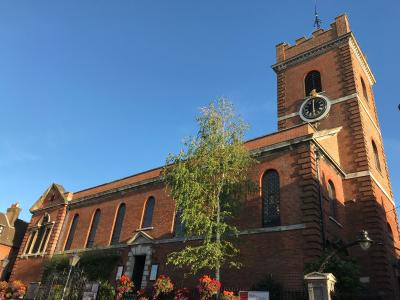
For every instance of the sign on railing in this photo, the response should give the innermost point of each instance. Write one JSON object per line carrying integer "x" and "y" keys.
{"x": 253, "y": 295}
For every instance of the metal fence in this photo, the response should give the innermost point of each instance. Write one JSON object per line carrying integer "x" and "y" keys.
{"x": 194, "y": 295}
{"x": 53, "y": 286}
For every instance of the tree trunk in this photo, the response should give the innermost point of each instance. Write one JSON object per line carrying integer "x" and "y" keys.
{"x": 218, "y": 240}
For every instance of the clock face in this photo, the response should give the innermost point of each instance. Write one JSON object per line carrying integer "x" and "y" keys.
{"x": 314, "y": 108}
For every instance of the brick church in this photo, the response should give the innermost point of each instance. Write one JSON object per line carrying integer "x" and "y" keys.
{"x": 323, "y": 178}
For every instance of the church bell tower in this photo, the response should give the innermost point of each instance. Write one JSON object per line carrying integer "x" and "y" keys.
{"x": 325, "y": 80}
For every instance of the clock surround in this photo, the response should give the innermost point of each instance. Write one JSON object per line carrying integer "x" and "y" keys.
{"x": 320, "y": 106}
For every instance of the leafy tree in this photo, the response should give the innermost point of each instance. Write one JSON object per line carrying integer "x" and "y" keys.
{"x": 207, "y": 180}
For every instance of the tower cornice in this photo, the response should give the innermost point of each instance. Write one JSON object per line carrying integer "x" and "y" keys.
{"x": 323, "y": 48}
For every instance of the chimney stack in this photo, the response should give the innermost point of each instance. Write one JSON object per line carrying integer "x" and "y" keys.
{"x": 13, "y": 213}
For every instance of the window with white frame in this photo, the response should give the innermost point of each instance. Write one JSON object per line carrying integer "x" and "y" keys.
{"x": 39, "y": 236}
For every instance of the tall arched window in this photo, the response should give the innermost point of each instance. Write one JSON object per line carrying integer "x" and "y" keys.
{"x": 118, "y": 224}
{"x": 72, "y": 232}
{"x": 270, "y": 198}
{"x": 93, "y": 229}
{"x": 148, "y": 213}
{"x": 312, "y": 81}
{"x": 332, "y": 199}
{"x": 179, "y": 229}
{"x": 376, "y": 156}
{"x": 40, "y": 236}
{"x": 364, "y": 89}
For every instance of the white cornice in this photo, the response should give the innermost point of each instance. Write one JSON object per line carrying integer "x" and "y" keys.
{"x": 361, "y": 59}
{"x": 369, "y": 173}
{"x": 349, "y": 37}
{"x": 311, "y": 53}
{"x": 369, "y": 115}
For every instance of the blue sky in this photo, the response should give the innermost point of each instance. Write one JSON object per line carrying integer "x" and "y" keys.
{"x": 92, "y": 91}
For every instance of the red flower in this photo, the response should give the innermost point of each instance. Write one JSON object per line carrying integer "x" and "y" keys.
{"x": 163, "y": 285}
{"x": 208, "y": 287}
{"x": 124, "y": 285}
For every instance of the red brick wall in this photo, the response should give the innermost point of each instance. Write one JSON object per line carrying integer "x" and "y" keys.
{"x": 24, "y": 265}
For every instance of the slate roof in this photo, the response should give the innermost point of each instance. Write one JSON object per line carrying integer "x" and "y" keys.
{"x": 12, "y": 235}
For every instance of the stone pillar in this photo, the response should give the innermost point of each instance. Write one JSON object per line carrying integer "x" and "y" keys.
{"x": 320, "y": 285}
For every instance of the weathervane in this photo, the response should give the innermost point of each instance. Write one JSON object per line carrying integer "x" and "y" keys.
{"x": 317, "y": 22}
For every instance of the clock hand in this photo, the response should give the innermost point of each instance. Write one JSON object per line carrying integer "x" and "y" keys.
{"x": 313, "y": 106}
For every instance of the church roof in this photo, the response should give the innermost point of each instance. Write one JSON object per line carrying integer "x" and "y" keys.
{"x": 154, "y": 174}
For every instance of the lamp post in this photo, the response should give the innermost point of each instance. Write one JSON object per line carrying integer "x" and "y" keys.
{"x": 4, "y": 265}
{"x": 73, "y": 261}
{"x": 363, "y": 240}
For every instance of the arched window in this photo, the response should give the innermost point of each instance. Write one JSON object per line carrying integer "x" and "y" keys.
{"x": 30, "y": 241}
{"x": 40, "y": 236}
{"x": 312, "y": 81}
{"x": 376, "y": 156}
{"x": 93, "y": 229}
{"x": 72, "y": 232}
{"x": 46, "y": 219}
{"x": 179, "y": 229}
{"x": 148, "y": 213}
{"x": 39, "y": 239}
{"x": 332, "y": 199}
{"x": 390, "y": 232}
{"x": 364, "y": 89}
{"x": 270, "y": 198}
{"x": 118, "y": 224}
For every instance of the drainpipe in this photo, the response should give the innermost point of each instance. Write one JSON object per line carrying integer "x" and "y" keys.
{"x": 318, "y": 156}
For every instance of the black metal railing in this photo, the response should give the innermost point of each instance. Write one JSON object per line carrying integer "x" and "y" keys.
{"x": 194, "y": 295}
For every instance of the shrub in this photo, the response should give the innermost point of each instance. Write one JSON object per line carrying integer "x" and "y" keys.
{"x": 270, "y": 285}
{"x": 106, "y": 291}
{"x": 346, "y": 271}
{"x": 98, "y": 265}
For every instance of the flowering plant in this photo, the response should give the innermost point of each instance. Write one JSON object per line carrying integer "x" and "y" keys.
{"x": 3, "y": 286}
{"x": 182, "y": 294}
{"x": 227, "y": 295}
{"x": 140, "y": 295}
{"x": 208, "y": 287}
{"x": 124, "y": 285}
{"x": 163, "y": 285}
{"x": 13, "y": 290}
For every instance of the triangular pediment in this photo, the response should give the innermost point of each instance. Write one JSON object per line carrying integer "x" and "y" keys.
{"x": 328, "y": 139}
{"x": 141, "y": 237}
{"x": 53, "y": 196}
{"x": 320, "y": 276}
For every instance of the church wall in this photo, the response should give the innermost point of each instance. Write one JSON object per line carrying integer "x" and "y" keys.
{"x": 334, "y": 218}
{"x": 135, "y": 201}
{"x": 279, "y": 254}
{"x": 25, "y": 263}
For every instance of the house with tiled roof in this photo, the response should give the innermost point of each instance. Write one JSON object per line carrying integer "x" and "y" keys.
{"x": 12, "y": 231}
